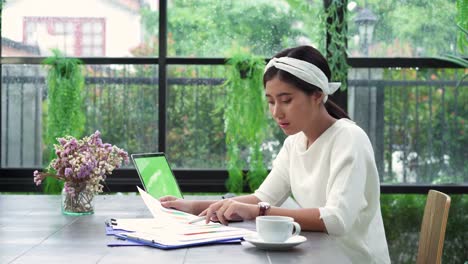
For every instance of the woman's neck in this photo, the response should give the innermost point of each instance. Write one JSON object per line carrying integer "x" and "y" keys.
{"x": 319, "y": 126}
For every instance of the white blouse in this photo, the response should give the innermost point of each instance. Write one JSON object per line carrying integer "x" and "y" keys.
{"x": 336, "y": 174}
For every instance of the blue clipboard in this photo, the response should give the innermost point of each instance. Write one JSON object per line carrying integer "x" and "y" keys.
{"x": 119, "y": 241}
{"x": 154, "y": 244}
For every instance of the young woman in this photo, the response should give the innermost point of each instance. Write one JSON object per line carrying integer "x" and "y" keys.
{"x": 326, "y": 163}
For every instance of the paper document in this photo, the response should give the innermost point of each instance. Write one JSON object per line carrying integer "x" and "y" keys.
{"x": 164, "y": 214}
{"x": 171, "y": 228}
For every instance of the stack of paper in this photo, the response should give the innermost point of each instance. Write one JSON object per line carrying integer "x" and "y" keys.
{"x": 171, "y": 228}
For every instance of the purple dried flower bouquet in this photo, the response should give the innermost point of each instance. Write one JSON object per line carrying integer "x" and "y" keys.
{"x": 83, "y": 165}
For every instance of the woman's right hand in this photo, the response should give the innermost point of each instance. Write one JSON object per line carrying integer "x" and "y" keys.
{"x": 178, "y": 204}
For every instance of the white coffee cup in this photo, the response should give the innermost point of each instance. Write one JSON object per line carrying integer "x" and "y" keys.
{"x": 276, "y": 228}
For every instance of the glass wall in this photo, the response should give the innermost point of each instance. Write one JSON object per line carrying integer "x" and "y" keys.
{"x": 416, "y": 120}
{"x": 413, "y": 28}
{"x": 196, "y": 103}
{"x": 208, "y": 28}
{"x": 415, "y": 117}
{"x": 121, "y": 101}
{"x": 144, "y": 101}
{"x": 195, "y": 126}
{"x": 22, "y": 98}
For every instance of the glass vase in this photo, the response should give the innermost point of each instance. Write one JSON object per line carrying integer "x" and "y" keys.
{"x": 77, "y": 199}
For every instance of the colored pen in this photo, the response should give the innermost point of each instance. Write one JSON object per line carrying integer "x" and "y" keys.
{"x": 196, "y": 220}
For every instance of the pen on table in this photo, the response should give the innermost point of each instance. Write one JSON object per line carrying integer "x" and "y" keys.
{"x": 198, "y": 219}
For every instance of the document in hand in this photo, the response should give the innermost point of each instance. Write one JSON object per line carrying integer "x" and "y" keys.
{"x": 170, "y": 228}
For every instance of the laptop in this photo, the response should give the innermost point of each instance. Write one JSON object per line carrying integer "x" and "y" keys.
{"x": 156, "y": 175}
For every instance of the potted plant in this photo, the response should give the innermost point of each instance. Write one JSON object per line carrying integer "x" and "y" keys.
{"x": 245, "y": 121}
{"x": 65, "y": 82}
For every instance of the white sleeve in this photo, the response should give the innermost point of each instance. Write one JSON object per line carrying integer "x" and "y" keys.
{"x": 276, "y": 188}
{"x": 346, "y": 186}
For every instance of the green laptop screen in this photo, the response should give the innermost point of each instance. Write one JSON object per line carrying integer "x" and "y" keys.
{"x": 157, "y": 176}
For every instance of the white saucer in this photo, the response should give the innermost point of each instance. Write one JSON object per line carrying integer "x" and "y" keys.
{"x": 291, "y": 242}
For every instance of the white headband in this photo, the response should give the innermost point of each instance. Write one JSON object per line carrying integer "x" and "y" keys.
{"x": 306, "y": 72}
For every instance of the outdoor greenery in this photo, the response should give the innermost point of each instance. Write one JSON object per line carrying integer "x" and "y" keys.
{"x": 425, "y": 111}
{"x": 195, "y": 136}
{"x": 245, "y": 121}
{"x": 427, "y": 126}
{"x": 462, "y": 37}
{"x": 431, "y": 137}
{"x": 195, "y": 125}
{"x": 197, "y": 142}
{"x": 426, "y": 122}
{"x": 121, "y": 101}
{"x": 263, "y": 26}
{"x": 65, "y": 117}
{"x": 196, "y": 96}
{"x": 416, "y": 28}
{"x": 402, "y": 215}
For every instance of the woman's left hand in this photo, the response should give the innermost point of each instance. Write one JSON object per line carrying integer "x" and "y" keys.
{"x": 229, "y": 209}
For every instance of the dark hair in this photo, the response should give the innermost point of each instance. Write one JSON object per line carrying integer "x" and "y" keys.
{"x": 311, "y": 55}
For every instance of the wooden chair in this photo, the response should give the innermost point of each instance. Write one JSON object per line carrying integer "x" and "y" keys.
{"x": 431, "y": 239}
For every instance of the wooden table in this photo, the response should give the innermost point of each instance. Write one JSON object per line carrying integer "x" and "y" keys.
{"x": 33, "y": 230}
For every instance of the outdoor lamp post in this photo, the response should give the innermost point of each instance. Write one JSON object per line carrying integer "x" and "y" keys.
{"x": 368, "y": 99}
{"x": 365, "y": 20}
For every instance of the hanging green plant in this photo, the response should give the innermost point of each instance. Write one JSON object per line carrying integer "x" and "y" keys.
{"x": 462, "y": 39}
{"x": 245, "y": 121}
{"x": 462, "y": 23}
{"x": 336, "y": 29}
{"x": 65, "y": 82}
